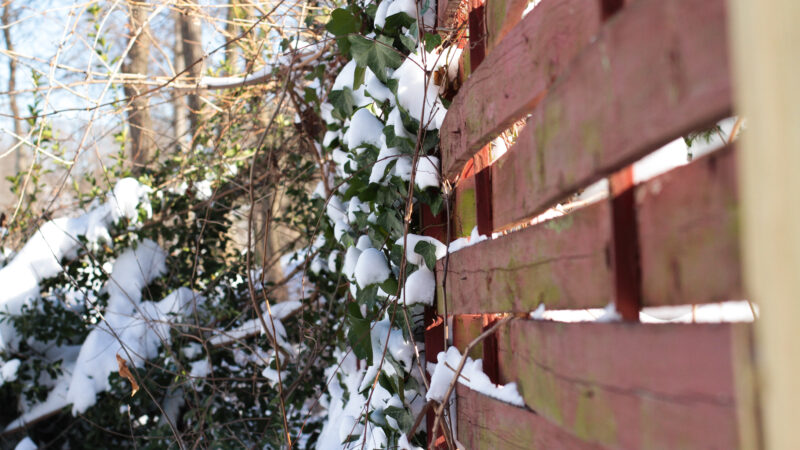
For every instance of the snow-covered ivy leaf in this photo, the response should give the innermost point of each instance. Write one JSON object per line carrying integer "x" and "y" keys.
{"x": 401, "y": 415}
{"x": 359, "y": 334}
{"x": 428, "y": 252}
{"x": 396, "y": 22}
{"x": 343, "y": 103}
{"x": 377, "y": 54}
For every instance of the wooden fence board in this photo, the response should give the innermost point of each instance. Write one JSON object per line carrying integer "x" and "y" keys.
{"x": 627, "y": 385}
{"x": 501, "y": 17}
{"x": 486, "y": 423}
{"x": 562, "y": 262}
{"x": 658, "y": 69}
{"x": 464, "y": 208}
{"x": 514, "y": 76}
{"x": 688, "y": 221}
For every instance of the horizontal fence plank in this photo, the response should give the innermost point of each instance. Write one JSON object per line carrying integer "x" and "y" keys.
{"x": 562, "y": 263}
{"x": 514, "y": 76}
{"x": 688, "y": 222}
{"x": 626, "y": 385}
{"x": 658, "y": 69}
{"x": 486, "y": 423}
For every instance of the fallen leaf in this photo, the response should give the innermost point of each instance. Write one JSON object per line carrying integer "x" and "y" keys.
{"x": 125, "y": 372}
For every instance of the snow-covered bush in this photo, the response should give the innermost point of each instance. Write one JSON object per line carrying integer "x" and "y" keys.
{"x": 140, "y": 318}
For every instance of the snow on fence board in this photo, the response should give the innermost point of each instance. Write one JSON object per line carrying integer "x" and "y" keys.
{"x": 510, "y": 427}
{"x": 657, "y": 70}
{"x": 689, "y": 233}
{"x": 625, "y": 385}
{"x": 514, "y": 77}
{"x": 562, "y": 263}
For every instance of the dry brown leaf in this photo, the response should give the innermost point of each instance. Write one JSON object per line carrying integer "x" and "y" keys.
{"x": 125, "y": 372}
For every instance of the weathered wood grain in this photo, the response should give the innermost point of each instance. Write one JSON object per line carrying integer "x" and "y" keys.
{"x": 688, "y": 222}
{"x": 562, "y": 263}
{"x": 501, "y": 17}
{"x": 514, "y": 76}
{"x": 467, "y": 327}
{"x": 464, "y": 208}
{"x": 625, "y": 385}
{"x": 485, "y": 423}
{"x": 658, "y": 69}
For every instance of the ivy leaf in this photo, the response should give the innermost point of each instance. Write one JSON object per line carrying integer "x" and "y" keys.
{"x": 428, "y": 252}
{"x": 343, "y": 103}
{"x": 367, "y": 296}
{"x": 401, "y": 415}
{"x": 377, "y": 54}
{"x": 404, "y": 145}
{"x": 432, "y": 40}
{"x": 358, "y": 77}
{"x": 342, "y": 23}
{"x": 389, "y": 286}
{"x": 359, "y": 335}
{"x": 396, "y": 22}
{"x": 390, "y": 222}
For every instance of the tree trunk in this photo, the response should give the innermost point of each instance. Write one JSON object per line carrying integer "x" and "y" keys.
{"x": 192, "y": 35}
{"x": 12, "y": 84}
{"x": 141, "y": 130}
{"x": 180, "y": 124}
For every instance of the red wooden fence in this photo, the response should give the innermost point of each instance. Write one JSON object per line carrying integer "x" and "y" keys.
{"x": 602, "y": 84}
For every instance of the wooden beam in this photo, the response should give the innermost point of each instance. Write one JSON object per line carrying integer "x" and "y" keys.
{"x": 563, "y": 263}
{"x": 626, "y": 385}
{"x": 765, "y": 38}
{"x": 488, "y": 424}
{"x": 688, "y": 222}
{"x": 514, "y": 77}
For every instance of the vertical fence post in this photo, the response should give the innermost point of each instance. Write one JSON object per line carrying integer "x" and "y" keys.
{"x": 765, "y": 38}
{"x": 625, "y": 243}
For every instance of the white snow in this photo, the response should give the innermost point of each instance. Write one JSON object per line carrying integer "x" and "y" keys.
{"x": 427, "y": 174}
{"x": 412, "y": 240}
{"x": 8, "y": 371}
{"x": 364, "y": 242}
{"x": 371, "y": 268}
{"x": 350, "y": 261}
{"x": 57, "y": 239}
{"x": 471, "y": 376}
{"x": 200, "y": 369}
{"x": 26, "y": 444}
{"x": 385, "y": 156}
{"x": 464, "y": 242}
{"x": 365, "y": 128}
{"x": 414, "y": 95}
{"x": 420, "y": 287}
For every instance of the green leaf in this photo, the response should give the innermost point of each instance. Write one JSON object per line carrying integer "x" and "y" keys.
{"x": 432, "y": 40}
{"x": 401, "y": 415}
{"x": 358, "y": 77}
{"x": 342, "y": 23}
{"x": 404, "y": 145}
{"x": 396, "y": 22}
{"x": 343, "y": 103}
{"x": 389, "y": 286}
{"x": 376, "y": 54}
{"x": 359, "y": 335}
{"x": 367, "y": 296}
{"x": 428, "y": 252}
